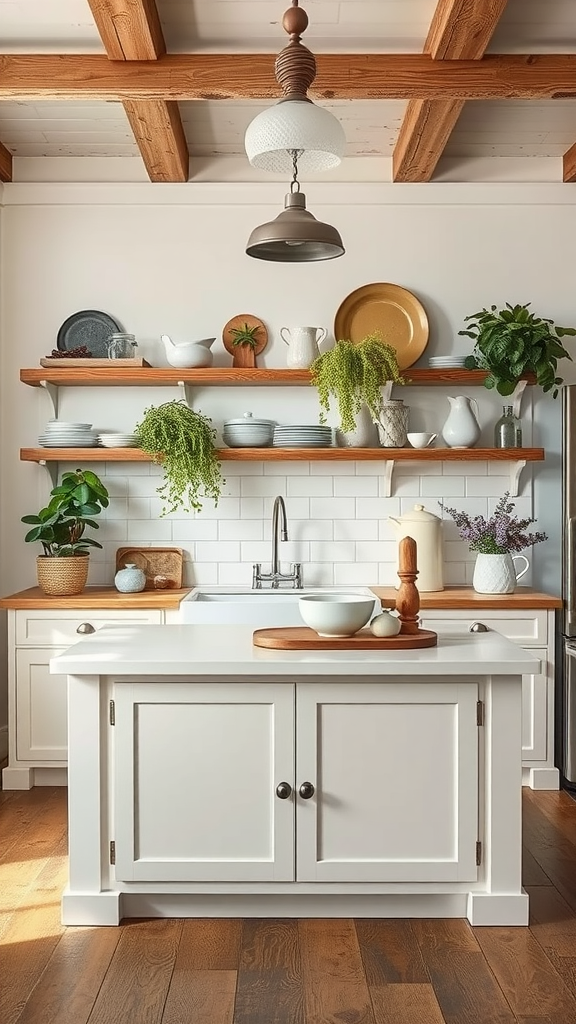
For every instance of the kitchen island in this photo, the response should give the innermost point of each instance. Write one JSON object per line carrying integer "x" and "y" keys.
{"x": 208, "y": 777}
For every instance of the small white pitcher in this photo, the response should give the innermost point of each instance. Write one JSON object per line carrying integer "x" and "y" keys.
{"x": 302, "y": 345}
{"x": 496, "y": 574}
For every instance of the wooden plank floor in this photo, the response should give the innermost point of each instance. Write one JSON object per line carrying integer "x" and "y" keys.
{"x": 281, "y": 971}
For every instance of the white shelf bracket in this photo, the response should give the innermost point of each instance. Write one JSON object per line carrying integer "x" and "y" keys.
{"x": 186, "y": 392}
{"x": 388, "y": 470}
{"x": 515, "y": 471}
{"x": 516, "y": 396}
{"x": 52, "y": 470}
{"x": 52, "y": 391}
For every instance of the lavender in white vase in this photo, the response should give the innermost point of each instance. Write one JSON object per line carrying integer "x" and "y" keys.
{"x": 495, "y": 539}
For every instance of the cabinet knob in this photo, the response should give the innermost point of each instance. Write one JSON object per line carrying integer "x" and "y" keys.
{"x": 283, "y": 790}
{"x": 306, "y": 790}
{"x": 478, "y": 627}
{"x": 86, "y": 627}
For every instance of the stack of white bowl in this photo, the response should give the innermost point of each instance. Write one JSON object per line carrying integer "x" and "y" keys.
{"x": 62, "y": 434}
{"x": 248, "y": 432}
{"x": 302, "y": 436}
{"x": 112, "y": 440}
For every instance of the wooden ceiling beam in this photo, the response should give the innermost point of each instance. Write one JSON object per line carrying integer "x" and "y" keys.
{"x": 5, "y": 164}
{"x": 460, "y": 30}
{"x": 131, "y": 30}
{"x": 569, "y": 164}
{"x": 251, "y": 76}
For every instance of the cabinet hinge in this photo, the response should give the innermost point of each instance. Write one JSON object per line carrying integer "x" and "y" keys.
{"x": 112, "y": 713}
{"x": 480, "y": 712}
{"x": 112, "y": 851}
{"x": 478, "y": 853}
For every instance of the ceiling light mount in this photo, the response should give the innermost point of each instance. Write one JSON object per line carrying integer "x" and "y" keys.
{"x": 295, "y": 67}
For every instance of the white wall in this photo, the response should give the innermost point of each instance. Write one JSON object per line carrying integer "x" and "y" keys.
{"x": 170, "y": 259}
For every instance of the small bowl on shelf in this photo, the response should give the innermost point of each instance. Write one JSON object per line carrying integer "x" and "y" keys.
{"x": 421, "y": 439}
{"x": 336, "y": 614}
{"x": 248, "y": 432}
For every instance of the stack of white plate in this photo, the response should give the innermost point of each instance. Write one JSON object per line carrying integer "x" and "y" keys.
{"x": 302, "y": 436}
{"x": 61, "y": 434}
{"x": 112, "y": 440}
{"x": 444, "y": 362}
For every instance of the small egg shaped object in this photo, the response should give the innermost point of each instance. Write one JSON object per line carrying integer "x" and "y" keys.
{"x": 385, "y": 624}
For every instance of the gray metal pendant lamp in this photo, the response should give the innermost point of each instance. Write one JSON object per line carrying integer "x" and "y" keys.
{"x": 295, "y": 131}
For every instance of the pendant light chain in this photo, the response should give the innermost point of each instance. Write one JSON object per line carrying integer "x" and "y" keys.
{"x": 295, "y": 153}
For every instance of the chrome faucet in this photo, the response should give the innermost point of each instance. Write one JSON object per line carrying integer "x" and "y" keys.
{"x": 275, "y": 576}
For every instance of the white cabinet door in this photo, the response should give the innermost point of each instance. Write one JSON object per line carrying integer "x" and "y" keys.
{"x": 196, "y": 776}
{"x": 40, "y": 708}
{"x": 535, "y": 689}
{"x": 395, "y": 771}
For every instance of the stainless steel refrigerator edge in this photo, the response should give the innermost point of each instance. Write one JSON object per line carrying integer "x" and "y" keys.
{"x": 566, "y": 705}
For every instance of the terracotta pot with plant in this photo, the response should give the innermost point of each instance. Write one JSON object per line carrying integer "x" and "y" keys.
{"x": 59, "y": 528}
{"x": 182, "y": 441}
{"x": 354, "y": 375}
{"x": 512, "y": 342}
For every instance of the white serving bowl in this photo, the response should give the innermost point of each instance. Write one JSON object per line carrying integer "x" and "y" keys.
{"x": 420, "y": 439}
{"x": 336, "y": 614}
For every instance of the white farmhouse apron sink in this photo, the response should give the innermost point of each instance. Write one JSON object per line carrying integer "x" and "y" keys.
{"x": 258, "y": 608}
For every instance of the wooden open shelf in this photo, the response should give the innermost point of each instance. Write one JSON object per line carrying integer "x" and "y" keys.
{"x": 143, "y": 376}
{"x": 296, "y": 454}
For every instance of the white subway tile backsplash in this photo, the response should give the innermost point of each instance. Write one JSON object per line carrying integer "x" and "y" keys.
{"x": 217, "y": 551}
{"x": 332, "y": 551}
{"x": 310, "y": 486}
{"x": 338, "y": 518}
{"x": 355, "y": 529}
{"x": 195, "y": 530}
{"x": 332, "y": 508}
{"x": 356, "y": 486}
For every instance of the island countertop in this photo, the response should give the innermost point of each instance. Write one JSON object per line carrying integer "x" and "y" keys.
{"x": 228, "y": 652}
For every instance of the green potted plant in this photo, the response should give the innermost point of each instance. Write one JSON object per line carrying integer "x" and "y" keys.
{"x": 182, "y": 440}
{"x": 512, "y": 342}
{"x": 245, "y": 335}
{"x": 63, "y": 568}
{"x": 354, "y": 375}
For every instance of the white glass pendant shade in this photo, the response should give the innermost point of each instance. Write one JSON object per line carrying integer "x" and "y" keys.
{"x": 275, "y": 133}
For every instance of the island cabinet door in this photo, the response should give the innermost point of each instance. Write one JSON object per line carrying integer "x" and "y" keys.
{"x": 394, "y": 768}
{"x": 197, "y": 767}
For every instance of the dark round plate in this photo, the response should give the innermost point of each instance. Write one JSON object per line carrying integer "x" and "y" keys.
{"x": 88, "y": 327}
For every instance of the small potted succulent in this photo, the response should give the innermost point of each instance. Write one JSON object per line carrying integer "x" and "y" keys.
{"x": 512, "y": 342}
{"x": 182, "y": 441}
{"x": 354, "y": 374}
{"x": 63, "y": 568}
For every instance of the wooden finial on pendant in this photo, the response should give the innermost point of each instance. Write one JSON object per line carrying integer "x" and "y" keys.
{"x": 408, "y": 598}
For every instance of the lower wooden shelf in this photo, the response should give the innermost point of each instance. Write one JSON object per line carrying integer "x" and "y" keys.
{"x": 297, "y": 454}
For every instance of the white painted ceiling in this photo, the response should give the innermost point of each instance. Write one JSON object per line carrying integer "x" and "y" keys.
{"x": 215, "y": 129}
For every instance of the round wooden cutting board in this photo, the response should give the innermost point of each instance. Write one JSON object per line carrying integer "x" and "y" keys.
{"x": 244, "y": 355}
{"x": 301, "y": 638}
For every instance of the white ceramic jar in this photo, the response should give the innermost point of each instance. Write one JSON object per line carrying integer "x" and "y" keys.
{"x": 130, "y": 579}
{"x": 426, "y": 529}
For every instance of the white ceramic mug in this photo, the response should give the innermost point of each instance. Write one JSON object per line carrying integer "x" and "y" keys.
{"x": 302, "y": 345}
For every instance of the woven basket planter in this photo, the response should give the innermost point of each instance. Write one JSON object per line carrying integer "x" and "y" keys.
{"x": 62, "y": 577}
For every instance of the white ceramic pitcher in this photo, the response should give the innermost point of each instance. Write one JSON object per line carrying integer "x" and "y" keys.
{"x": 302, "y": 344}
{"x": 461, "y": 429}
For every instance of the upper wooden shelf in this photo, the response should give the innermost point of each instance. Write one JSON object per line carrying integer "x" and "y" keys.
{"x": 143, "y": 376}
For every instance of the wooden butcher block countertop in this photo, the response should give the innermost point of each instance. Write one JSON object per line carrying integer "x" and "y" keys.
{"x": 95, "y": 597}
{"x": 465, "y": 597}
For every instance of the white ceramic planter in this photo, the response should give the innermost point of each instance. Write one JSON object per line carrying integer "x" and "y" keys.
{"x": 496, "y": 574}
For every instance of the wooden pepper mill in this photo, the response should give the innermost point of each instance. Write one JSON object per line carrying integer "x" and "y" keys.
{"x": 408, "y": 599}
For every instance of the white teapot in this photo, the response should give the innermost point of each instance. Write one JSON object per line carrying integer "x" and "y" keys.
{"x": 188, "y": 354}
{"x": 303, "y": 345}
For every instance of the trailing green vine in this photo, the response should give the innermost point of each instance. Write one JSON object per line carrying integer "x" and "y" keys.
{"x": 182, "y": 440}
{"x": 354, "y": 375}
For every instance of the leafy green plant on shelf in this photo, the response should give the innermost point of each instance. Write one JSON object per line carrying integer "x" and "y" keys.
{"x": 354, "y": 375}
{"x": 182, "y": 441}
{"x": 245, "y": 335}
{"x": 60, "y": 526}
{"x": 512, "y": 342}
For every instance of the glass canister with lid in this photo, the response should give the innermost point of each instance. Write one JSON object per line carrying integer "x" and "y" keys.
{"x": 121, "y": 346}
